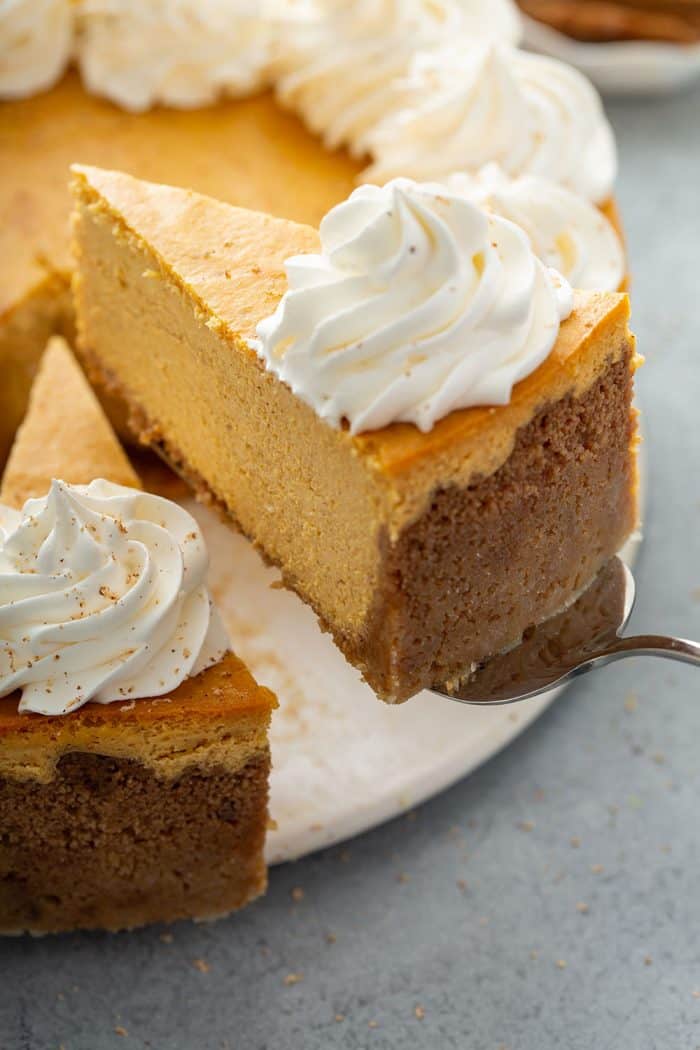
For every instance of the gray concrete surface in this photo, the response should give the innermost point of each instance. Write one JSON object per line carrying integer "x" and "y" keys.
{"x": 552, "y": 900}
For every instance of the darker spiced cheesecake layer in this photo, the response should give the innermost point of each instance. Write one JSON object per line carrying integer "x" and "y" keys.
{"x": 159, "y": 854}
{"x": 120, "y": 815}
{"x": 420, "y": 552}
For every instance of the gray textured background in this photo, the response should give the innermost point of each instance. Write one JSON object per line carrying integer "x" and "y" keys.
{"x": 552, "y": 900}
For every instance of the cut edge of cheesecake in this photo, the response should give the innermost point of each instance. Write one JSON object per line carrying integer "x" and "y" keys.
{"x": 190, "y": 768}
{"x": 211, "y": 272}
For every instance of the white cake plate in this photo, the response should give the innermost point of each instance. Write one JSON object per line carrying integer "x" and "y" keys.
{"x": 627, "y": 67}
{"x": 343, "y": 761}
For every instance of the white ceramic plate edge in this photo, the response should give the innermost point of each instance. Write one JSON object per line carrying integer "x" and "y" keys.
{"x": 624, "y": 67}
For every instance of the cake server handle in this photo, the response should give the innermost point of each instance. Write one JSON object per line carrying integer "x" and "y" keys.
{"x": 474, "y": 693}
{"x": 651, "y": 645}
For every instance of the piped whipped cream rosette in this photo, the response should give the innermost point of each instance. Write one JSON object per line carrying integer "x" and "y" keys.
{"x": 420, "y": 303}
{"x": 187, "y": 53}
{"x": 462, "y": 109}
{"x": 566, "y": 231}
{"x": 182, "y": 53}
{"x": 102, "y": 597}
{"x": 341, "y": 66}
{"x": 36, "y": 44}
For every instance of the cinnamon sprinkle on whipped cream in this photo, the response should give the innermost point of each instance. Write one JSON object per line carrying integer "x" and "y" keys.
{"x": 102, "y": 597}
{"x": 419, "y": 303}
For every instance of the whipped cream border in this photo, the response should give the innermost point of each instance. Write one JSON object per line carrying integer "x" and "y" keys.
{"x": 347, "y": 68}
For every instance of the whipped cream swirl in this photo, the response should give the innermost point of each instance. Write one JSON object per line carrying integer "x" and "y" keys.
{"x": 567, "y": 232}
{"x": 181, "y": 53}
{"x": 420, "y": 303}
{"x": 341, "y": 66}
{"x": 36, "y": 41}
{"x": 462, "y": 109}
{"x": 102, "y": 598}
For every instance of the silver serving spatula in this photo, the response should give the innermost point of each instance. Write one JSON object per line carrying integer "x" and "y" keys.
{"x": 587, "y": 635}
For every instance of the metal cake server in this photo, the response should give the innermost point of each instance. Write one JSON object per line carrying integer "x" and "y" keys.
{"x": 586, "y": 635}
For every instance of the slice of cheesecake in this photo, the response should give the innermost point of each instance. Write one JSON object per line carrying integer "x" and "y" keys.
{"x": 119, "y": 814}
{"x": 422, "y": 553}
{"x": 64, "y": 435}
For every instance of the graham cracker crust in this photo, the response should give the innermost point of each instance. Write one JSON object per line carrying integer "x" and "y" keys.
{"x": 108, "y": 845}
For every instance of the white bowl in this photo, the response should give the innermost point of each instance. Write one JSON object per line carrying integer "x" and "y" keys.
{"x": 626, "y": 67}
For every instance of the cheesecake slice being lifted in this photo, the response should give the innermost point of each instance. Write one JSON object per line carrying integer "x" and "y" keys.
{"x": 113, "y": 814}
{"x": 422, "y": 548}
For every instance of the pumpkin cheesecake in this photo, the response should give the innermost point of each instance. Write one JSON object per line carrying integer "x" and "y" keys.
{"x": 429, "y": 519}
{"x": 135, "y": 806}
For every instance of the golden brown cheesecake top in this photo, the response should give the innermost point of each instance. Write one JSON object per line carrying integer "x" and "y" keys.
{"x": 247, "y": 151}
{"x": 63, "y": 416}
{"x": 230, "y": 263}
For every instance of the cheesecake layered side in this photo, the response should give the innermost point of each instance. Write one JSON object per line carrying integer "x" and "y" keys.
{"x": 421, "y": 553}
{"x": 487, "y": 561}
{"x": 120, "y": 815}
{"x": 115, "y": 815}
